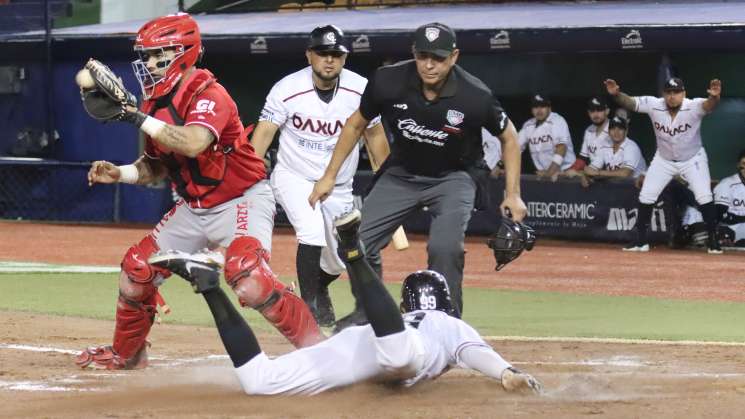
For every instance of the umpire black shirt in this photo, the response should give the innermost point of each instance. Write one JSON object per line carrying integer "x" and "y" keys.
{"x": 433, "y": 138}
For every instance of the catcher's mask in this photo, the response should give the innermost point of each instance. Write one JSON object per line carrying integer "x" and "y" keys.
{"x": 510, "y": 240}
{"x": 426, "y": 290}
{"x": 178, "y": 32}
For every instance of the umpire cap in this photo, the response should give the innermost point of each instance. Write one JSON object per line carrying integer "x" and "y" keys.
{"x": 327, "y": 38}
{"x": 435, "y": 38}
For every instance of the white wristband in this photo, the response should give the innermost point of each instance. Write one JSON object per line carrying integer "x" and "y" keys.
{"x": 128, "y": 174}
{"x": 152, "y": 126}
{"x": 558, "y": 159}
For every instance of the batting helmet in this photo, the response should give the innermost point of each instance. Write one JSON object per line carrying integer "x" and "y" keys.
{"x": 510, "y": 240}
{"x": 327, "y": 38}
{"x": 179, "y": 32}
{"x": 426, "y": 290}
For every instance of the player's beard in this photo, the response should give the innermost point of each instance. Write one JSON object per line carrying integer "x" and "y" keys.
{"x": 328, "y": 79}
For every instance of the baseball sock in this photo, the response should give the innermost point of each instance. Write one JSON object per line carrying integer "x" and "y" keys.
{"x": 643, "y": 218}
{"x": 237, "y": 337}
{"x": 381, "y": 310}
{"x": 308, "y": 264}
{"x": 709, "y": 214}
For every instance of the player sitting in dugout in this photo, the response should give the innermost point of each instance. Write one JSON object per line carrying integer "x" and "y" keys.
{"x": 729, "y": 197}
{"x": 547, "y": 137}
{"x": 421, "y": 345}
{"x": 622, "y": 159}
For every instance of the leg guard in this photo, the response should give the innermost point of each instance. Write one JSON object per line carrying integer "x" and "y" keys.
{"x": 248, "y": 274}
{"x": 136, "y": 308}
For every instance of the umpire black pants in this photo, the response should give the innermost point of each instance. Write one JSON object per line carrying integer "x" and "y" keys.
{"x": 450, "y": 201}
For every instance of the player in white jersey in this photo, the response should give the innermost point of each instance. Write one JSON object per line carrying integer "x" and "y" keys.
{"x": 309, "y": 107}
{"x": 596, "y": 135}
{"x": 621, "y": 159}
{"x": 677, "y": 125}
{"x": 729, "y": 196}
{"x": 422, "y": 345}
{"x": 547, "y": 137}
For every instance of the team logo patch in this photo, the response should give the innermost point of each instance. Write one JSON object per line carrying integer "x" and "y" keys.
{"x": 431, "y": 34}
{"x": 330, "y": 38}
{"x": 454, "y": 117}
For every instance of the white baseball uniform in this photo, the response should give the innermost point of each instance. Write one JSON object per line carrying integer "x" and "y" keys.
{"x": 309, "y": 130}
{"x": 492, "y": 148}
{"x": 593, "y": 139}
{"x": 431, "y": 344}
{"x": 627, "y": 155}
{"x": 541, "y": 139}
{"x": 731, "y": 192}
{"x": 679, "y": 149}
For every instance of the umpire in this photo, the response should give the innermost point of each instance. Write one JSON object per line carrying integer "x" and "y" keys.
{"x": 435, "y": 110}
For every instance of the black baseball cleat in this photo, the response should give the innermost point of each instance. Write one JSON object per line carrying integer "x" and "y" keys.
{"x": 355, "y": 318}
{"x": 347, "y": 232}
{"x": 714, "y": 247}
{"x": 201, "y": 269}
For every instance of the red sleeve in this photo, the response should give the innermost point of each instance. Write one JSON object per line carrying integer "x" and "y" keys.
{"x": 212, "y": 109}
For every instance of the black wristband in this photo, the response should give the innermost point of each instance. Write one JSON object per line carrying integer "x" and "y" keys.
{"x": 136, "y": 118}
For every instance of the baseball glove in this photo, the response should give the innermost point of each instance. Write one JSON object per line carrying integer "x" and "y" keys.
{"x": 109, "y": 100}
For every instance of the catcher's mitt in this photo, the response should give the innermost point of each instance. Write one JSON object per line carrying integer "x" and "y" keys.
{"x": 109, "y": 100}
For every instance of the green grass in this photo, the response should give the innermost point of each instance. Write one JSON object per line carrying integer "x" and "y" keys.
{"x": 492, "y": 312}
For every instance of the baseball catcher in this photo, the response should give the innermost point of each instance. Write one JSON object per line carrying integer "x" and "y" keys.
{"x": 421, "y": 345}
{"x": 194, "y": 137}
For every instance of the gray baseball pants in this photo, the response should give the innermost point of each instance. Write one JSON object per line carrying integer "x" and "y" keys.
{"x": 450, "y": 201}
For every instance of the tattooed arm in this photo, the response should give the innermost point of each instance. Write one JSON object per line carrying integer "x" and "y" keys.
{"x": 188, "y": 141}
{"x": 623, "y": 100}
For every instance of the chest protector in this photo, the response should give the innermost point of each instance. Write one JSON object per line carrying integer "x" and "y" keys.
{"x": 196, "y": 177}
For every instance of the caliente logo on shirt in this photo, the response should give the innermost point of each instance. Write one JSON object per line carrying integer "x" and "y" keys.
{"x": 413, "y": 131}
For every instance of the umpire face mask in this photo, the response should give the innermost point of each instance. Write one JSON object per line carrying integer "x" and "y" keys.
{"x": 510, "y": 240}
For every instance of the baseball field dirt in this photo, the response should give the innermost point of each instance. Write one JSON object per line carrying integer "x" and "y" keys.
{"x": 190, "y": 376}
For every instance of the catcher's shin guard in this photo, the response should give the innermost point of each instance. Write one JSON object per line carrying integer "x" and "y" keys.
{"x": 248, "y": 273}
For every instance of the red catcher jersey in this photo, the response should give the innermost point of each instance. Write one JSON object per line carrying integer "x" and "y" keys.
{"x": 214, "y": 109}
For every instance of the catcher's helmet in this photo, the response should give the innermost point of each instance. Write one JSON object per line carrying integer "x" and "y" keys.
{"x": 178, "y": 31}
{"x": 327, "y": 38}
{"x": 426, "y": 290}
{"x": 510, "y": 240}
